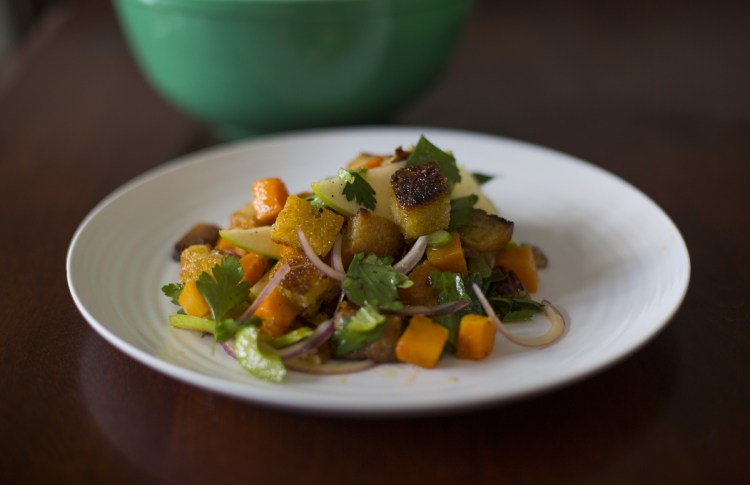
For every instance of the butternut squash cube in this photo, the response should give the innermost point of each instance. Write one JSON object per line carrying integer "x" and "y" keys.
{"x": 520, "y": 260}
{"x": 422, "y": 342}
{"x": 449, "y": 257}
{"x": 277, "y": 314}
{"x": 192, "y": 301}
{"x": 476, "y": 337}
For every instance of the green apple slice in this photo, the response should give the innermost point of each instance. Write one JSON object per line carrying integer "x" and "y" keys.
{"x": 469, "y": 185}
{"x": 331, "y": 191}
{"x": 255, "y": 239}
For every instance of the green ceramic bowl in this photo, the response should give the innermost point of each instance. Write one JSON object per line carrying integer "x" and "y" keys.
{"x": 255, "y": 66}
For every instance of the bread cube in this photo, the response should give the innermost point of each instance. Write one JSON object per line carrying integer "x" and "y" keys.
{"x": 421, "y": 200}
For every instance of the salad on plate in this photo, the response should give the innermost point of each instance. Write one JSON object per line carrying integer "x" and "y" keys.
{"x": 396, "y": 258}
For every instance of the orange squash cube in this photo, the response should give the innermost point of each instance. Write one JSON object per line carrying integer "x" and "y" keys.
{"x": 520, "y": 260}
{"x": 269, "y": 197}
{"x": 253, "y": 267}
{"x": 422, "y": 342}
{"x": 476, "y": 337}
{"x": 449, "y": 257}
{"x": 421, "y": 292}
{"x": 277, "y": 314}
{"x": 192, "y": 301}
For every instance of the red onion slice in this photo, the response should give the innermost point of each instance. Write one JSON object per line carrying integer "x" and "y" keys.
{"x": 555, "y": 331}
{"x": 330, "y": 368}
{"x": 316, "y": 261}
{"x": 228, "y": 349}
{"x": 272, "y": 283}
{"x": 336, "y": 261}
{"x": 412, "y": 257}
{"x": 321, "y": 333}
{"x": 441, "y": 309}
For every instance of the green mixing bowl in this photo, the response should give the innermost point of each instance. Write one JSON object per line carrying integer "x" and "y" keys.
{"x": 255, "y": 66}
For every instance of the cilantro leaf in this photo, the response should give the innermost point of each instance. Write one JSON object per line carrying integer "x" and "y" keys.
{"x": 225, "y": 290}
{"x": 173, "y": 290}
{"x": 449, "y": 286}
{"x": 482, "y": 178}
{"x": 356, "y": 187}
{"x": 362, "y": 328}
{"x": 426, "y": 152}
{"x": 462, "y": 211}
{"x": 372, "y": 280}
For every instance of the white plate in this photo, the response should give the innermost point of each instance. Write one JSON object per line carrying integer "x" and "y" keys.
{"x": 619, "y": 268}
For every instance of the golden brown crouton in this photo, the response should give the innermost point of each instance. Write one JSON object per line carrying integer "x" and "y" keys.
{"x": 486, "y": 232}
{"x": 370, "y": 233}
{"x": 420, "y": 202}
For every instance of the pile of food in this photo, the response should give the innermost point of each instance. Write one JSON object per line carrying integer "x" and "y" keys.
{"x": 398, "y": 258}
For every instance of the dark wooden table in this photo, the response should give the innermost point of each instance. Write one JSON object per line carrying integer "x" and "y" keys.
{"x": 657, "y": 94}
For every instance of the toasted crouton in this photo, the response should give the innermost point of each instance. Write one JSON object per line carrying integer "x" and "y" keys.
{"x": 421, "y": 200}
{"x": 486, "y": 232}
{"x": 370, "y": 233}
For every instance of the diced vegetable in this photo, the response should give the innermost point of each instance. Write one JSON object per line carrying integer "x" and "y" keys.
{"x": 189, "y": 322}
{"x": 192, "y": 301}
{"x": 422, "y": 342}
{"x": 197, "y": 259}
{"x": 421, "y": 292}
{"x": 277, "y": 314}
{"x": 261, "y": 364}
{"x": 243, "y": 218}
{"x": 449, "y": 257}
{"x": 476, "y": 337}
{"x": 439, "y": 238}
{"x": 520, "y": 260}
{"x": 321, "y": 226}
{"x": 253, "y": 265}
{"x": 373, "y": 162}
{"x": 420, "y": 203}
{"x": 269, "y": 197}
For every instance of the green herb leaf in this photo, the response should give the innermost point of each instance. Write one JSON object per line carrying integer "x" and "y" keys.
{"x": 359, "y": 330}
{"x": 173, "y": 290}
{"x": 482, "y": 178}
{"x": 356, "y": 187}
{"x": 449, "y": 286}
{"x": 462, "y": 211}
{"x": 426, "y": 152}
{"x": 259, "y": 363}
{"x": 226, "y": 289}
{"x": 371, "y": 280}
